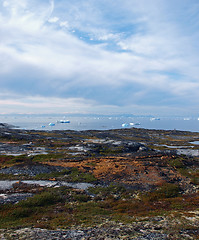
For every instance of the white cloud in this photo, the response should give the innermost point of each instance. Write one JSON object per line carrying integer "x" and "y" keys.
{"x": 5, "y": 3}
{"x": 46, "y": 105}
{"x": 53, "y": 20}
{"x": 38, "y": 104}
{"x": 64, "y": 24}
{"x": 155, "y": 53}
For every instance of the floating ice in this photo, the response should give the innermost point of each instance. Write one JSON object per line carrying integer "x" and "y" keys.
{"x": 154, "y": 119}
{"x": 64, "y": 121}
{"x": 125, "y": 125}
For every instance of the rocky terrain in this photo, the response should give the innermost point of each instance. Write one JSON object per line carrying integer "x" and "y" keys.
{"x": 143, "y": 187}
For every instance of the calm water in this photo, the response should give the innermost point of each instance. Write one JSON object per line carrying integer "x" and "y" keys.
{"x": 100, "y": 123}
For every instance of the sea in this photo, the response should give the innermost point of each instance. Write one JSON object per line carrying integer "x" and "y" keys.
{"x": 79, "y": 123}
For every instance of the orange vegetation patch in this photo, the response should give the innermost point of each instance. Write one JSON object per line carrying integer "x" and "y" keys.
{"x": 150, "y": 170}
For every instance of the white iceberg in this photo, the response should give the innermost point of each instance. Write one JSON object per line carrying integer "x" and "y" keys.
{"x": 154, "y": 119}
{"x": 125, "y": 125}
{"x": 64, "y": 121}
{"x": 137, "y": 123}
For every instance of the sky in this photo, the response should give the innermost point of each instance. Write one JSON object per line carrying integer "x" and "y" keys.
{"x": 99, "y": 56}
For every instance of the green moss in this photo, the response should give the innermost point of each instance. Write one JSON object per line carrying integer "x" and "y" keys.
{"x": 51, "y": 175}
{"x": 12, "y": 160}
{"x": 72, "y": 175}
{"x": 47, "y": 157}
{"x": 12, "y": 177}
{"x": 24, "y": 159}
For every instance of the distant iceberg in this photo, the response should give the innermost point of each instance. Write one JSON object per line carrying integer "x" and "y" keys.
{"x": 125, "y": 125}
{"x": 51, "y": 124}
{"x": 153, "y": 119}
{"x": 64, "y": 121}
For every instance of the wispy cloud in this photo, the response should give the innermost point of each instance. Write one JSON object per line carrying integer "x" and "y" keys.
{"x": 111, "y": 53}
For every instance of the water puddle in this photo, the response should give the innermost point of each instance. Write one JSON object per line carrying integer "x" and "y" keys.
{"x": 14, "y": 197}
{"x": 195, "y": 142}
{"x": 173, "y": 147}
{"x": 7, "y": 184}
{"x": 79, "y": 148}
{"x": 188, "y": 152}
{"x": 185, "y": 150}
{"x": 104, "y": 141}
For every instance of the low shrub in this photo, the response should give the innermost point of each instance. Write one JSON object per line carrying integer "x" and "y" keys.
{"x": 169, "y": 190}
{"x": 166, "y": 191}
{"x": 40, "y": 200}
{"x": 76, "y": 176}
{"x": 81, "y": 197}
{"x": 109, "y": 190}
{"x": 177, "y": 163}
{"x": 21, "y": 212}
{"x": 90, "y": 209}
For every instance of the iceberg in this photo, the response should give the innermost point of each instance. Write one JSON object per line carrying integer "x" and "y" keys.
{"x": 125, "y": 125}
{"x": 137, "y": 123}
{"x": 154, "y": 119}
{"x": 134, "y": 124}
{"x": 64, "y": 121}
{"x": 51, "y": 124}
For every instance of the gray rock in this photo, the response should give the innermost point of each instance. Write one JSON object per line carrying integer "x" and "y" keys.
{"x": 31, "y": 170}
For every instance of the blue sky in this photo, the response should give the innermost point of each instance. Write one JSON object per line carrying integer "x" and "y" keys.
{"x": 99, "y": 56}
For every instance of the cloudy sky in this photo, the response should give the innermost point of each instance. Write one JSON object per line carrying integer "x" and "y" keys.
{"x": 99, "y": 56}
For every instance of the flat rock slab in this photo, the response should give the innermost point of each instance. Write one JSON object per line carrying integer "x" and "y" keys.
{"x": 31, "y": 170}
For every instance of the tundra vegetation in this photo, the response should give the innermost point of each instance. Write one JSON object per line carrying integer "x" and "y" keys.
{"x": 133, "y": 183}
